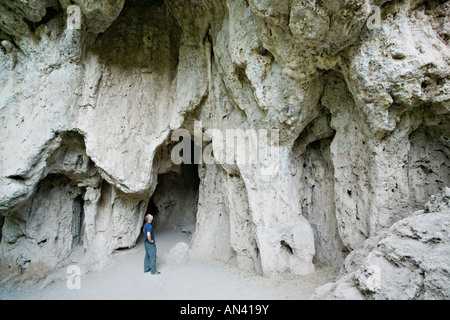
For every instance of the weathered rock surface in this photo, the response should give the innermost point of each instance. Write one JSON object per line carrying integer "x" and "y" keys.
{"x": 178, "y": 253}
{"x": 408, "y": 261}
{"x": 91, "y": 95}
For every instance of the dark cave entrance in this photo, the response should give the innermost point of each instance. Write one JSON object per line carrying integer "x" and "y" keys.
{"x": 175, "y": 200}
{"x": 2, "y": 220}
{"x": 78, "y": 221}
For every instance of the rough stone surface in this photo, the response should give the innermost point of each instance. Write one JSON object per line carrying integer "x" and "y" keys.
{"x": 408, "y": 261}
{"x": 87, "y": 116}
{"x": 178, "y": 253}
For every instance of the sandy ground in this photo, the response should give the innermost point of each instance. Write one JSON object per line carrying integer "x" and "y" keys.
{"x": 123, "y": 278}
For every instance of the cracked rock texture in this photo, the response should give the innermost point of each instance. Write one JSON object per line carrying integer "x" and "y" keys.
{"x": 88, "y": 112}
{"x": 410, "y": 260}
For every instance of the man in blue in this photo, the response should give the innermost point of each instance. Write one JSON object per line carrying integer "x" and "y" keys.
{"x": 150, "y": 246}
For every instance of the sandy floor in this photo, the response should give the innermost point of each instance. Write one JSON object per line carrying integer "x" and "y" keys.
{"x": 123, "y": 278}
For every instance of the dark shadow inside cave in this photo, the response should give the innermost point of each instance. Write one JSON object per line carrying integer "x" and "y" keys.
{"x": 175, "y": 199}
{"x": 174, "y": 202}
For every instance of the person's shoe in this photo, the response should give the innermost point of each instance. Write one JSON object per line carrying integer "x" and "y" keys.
{"x": 157, "y": 272}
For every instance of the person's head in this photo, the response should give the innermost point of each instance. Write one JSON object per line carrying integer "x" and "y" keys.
{"x": 148, "y": 218}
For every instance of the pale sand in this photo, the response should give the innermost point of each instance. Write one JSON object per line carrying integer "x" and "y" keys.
{"x": 123, "y": 278}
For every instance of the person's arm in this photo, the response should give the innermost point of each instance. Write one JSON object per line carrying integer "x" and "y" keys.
{"x": 149, "y": 237}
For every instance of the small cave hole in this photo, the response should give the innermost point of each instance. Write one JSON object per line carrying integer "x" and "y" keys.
{"x": 286, "y": 246}
{"x": 17, "y": 178}
{"x": 424, "y": 85}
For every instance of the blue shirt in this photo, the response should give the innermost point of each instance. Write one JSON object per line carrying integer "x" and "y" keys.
{"x": 148, "y": 228}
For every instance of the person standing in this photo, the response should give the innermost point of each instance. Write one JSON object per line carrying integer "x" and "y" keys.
{"x": 150, "y": 246}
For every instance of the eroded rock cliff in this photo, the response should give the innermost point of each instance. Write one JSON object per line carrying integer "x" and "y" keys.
{"x": 91, "y": 92}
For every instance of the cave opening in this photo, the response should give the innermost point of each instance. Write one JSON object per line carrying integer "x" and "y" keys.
{"x": 2, "y": 220}
{"x": 175, "y": 200}
{"x": 78, "y": 221}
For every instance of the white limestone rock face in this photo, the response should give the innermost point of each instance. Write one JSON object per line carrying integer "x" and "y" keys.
{"x": 211, "y": 240}
{"x": 419, "y": 247}
{"x": 88, "y": 108}
{"x": 408, "y": 261}
{"x": 177, "y": 254}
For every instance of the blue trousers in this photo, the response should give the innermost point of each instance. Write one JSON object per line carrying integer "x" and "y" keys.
{"x": 150, "y": 257}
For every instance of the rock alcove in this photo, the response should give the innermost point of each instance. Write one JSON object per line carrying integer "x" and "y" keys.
{"x": 90, "y": 97}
